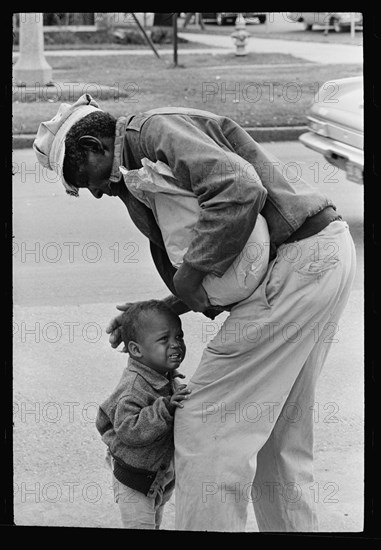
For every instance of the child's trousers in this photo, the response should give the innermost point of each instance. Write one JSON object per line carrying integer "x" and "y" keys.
{"x": 137, "y": 511}
{"x": 246, "y": 434}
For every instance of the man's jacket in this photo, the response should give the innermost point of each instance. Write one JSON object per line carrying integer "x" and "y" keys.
{"x": 233, "y": 177}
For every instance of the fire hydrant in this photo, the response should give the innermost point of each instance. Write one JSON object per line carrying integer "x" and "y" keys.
{"x": 240, "y": 35}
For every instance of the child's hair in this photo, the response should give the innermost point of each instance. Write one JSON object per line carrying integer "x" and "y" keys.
{"x": 133, "y": 319}
{"x": 97, "y": 124}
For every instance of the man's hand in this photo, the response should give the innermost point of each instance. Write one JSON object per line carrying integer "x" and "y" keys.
{"x": 194, "y": 297}
{"x": 179, "y": 395}
{"x": 187, "y": 283}
{"x": 113, "y": 328}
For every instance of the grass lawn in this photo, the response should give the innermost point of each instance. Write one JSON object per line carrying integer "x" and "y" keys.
{"x": 246, "y": 89}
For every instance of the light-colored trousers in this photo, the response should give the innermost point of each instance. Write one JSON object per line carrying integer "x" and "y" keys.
{"x": 138, "y": 511}
{"x": 246, "y": 433}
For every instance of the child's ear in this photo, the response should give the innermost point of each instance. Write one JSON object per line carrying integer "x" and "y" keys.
{"x": 134, "y": 349}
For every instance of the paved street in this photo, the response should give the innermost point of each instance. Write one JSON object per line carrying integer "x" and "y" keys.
{"x": 74, "y": 260}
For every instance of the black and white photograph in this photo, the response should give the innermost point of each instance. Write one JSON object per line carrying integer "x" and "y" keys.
{"x": 188, "y": 272}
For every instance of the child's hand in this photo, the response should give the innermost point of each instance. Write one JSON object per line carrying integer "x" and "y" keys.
{"x": 180, "y": 394}
{"x": 178, "y": 374}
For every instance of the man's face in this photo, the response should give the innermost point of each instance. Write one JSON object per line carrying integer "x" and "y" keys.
{"x": 161, "y": 342}
{"x": 95, "y": 174}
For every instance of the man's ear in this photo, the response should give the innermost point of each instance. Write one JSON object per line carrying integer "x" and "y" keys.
{"x": 134, "y": 349}
{"x": 91, "y": 143}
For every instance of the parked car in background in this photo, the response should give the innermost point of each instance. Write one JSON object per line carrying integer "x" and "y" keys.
{"x": 230, "y": 17}
{"x": 339, "y": 21}
{"x": 336, "y": 125}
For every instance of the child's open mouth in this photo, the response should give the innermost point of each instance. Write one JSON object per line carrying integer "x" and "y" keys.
{"x": 175, "y": 356}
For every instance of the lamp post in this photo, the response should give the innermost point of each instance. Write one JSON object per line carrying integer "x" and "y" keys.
{"x": 31, "y": 67}
{"x": 174, "y": 21}
{"x": 352, "y": 25}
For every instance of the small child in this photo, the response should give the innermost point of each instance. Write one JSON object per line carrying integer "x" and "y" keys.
{"x": 136, "y": 421}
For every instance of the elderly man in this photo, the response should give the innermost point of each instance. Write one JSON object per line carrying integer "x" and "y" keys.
{"x": 246, "y": 434}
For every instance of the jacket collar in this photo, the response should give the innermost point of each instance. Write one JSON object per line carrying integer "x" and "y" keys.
{"x": 118, "y": 148}
{"x": 156, "y": 380}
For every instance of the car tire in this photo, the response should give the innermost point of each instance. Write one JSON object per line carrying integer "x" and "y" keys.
{"x": 307, "y": 27}
{"x": 337, "y": 26}
{"x": 262, "y": 19}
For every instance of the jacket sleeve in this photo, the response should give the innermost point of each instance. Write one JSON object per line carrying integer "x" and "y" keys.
{"x": 102, "y": 421}
{"x": 229, "y": 192}
{"x": 137, "y": 424}
{"x": 167, "y": 271}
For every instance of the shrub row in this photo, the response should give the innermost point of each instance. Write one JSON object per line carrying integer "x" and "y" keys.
{"x": 158, "y": 35}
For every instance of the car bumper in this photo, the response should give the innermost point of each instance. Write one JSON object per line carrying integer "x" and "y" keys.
{"x": 339, "y": 154}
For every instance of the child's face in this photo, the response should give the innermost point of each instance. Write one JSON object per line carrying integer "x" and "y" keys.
{"x": 161, "y": 343}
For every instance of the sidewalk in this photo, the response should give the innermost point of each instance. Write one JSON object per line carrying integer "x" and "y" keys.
{"x": 311, "y": 51}
{"x": 145, "y": 51}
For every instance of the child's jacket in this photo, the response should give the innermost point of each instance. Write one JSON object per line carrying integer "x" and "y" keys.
{"x": 136, "y": 423}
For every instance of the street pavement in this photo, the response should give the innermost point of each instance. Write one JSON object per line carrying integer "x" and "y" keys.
{"x": 74, "y": 260}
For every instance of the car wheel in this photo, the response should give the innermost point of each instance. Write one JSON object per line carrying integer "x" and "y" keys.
{"x": 336, "y": 25}
{"x": 262, "y": 19}
{"x": 220, "y": 20}
{"x": 307, "y": 27}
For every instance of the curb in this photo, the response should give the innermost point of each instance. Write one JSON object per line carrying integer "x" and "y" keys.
{"x": 64, "y": 91}
{"x": 281, "y": 133}
{"x": 23, "y": 141}
{"x": 285, "y": 133}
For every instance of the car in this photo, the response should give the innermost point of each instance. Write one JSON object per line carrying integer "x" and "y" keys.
{"x": 336, "y": 124}
{"x": 339, "y": 21}
{"x": 225, "y": 17}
